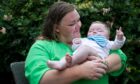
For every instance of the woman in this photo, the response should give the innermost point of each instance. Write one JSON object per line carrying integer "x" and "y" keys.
{"x": 61, "y": 25}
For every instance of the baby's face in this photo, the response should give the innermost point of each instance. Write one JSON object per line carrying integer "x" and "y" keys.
{"x": 98, "y": 29}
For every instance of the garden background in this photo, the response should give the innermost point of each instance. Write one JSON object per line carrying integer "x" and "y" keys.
{"x": 21, "y": 21}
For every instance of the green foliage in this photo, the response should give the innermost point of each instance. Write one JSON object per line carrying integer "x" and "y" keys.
{"x": 23, "y": 21}
{"x": 124, "y": 13}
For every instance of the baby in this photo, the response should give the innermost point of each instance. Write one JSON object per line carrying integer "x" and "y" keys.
{"x": 96, "y": 44}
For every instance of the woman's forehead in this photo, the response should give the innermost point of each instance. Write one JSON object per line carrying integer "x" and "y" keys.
{"x": 70, "y": 17}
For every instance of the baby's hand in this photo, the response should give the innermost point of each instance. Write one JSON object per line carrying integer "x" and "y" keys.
{"x": 77, "y": 41}
{"x": 119, "y": 34}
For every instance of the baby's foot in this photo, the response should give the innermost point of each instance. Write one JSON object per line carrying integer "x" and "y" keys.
{"x": 68, "y": 60}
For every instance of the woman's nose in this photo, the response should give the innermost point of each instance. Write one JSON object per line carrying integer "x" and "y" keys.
{"x": 78, "y": 26}
{"x": 77, "y": 30}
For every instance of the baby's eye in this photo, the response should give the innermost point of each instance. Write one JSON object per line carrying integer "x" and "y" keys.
{"x": 100, "y": 31}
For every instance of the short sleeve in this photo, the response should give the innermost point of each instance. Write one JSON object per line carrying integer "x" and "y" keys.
{"x": 35, "y": 64}
{"x": 123, "y": 58}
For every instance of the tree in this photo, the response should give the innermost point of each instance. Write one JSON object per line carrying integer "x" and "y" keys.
{"x": 23, "y": 19}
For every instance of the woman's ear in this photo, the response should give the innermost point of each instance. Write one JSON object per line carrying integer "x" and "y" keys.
{"x": 56, "y": 28}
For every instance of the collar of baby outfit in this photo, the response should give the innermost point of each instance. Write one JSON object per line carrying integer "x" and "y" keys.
{"x": 100, "y": 40}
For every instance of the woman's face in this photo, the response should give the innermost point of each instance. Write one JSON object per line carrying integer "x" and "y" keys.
{"x": 69, "y": 27}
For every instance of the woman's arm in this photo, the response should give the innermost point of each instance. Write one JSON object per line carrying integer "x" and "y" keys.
{"x": 116, "y": 62}
{"x": 87, "y": 70}
{"x": 113, "y": 62}
{"x": 60, "y": 77}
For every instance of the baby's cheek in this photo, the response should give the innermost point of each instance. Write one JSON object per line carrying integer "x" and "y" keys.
{"x": 90, "y": 34}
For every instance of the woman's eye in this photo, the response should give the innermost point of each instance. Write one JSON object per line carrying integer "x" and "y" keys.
{"x": 71, "y": 24}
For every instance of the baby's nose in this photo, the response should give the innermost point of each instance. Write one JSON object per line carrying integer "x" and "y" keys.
{"x": 94, "y": 32}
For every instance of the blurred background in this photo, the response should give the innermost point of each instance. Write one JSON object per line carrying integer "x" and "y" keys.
{"x": 21, "y": 21}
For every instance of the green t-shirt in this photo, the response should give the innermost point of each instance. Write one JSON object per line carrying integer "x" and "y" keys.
{"x": 42, "y": 50}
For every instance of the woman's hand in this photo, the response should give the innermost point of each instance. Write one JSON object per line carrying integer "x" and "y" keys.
{"x": 93, "y": 69}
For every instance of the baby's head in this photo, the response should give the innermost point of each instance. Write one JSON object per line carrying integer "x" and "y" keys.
{"x": 99, "y": 28}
